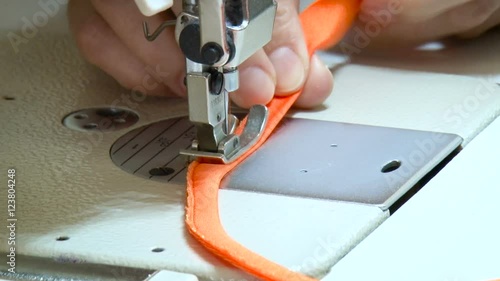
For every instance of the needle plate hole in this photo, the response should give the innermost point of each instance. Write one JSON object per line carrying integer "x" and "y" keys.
{"x": 109, "y": 112}
{"x": 161, "y": 171}
{"x": 157, "y": 250}
{"x": 62, "y": 238}
{"x": 104, "y": 119}
{"x": 391, "y": 166}
{"x": 90, "y": 126}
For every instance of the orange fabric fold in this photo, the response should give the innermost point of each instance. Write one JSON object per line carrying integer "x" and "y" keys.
{"x": 324, "y": 24}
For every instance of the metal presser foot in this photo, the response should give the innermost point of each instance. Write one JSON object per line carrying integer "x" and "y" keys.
{"x": 233, "y": 146}
{"x": 216, "y": 36}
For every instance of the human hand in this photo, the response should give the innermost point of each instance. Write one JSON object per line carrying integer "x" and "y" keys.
{"x": 109, "y": 35}
{"x": 400, "y": 23}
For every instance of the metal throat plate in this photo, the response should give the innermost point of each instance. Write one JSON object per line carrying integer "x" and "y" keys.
{"x": 306, "y": 158}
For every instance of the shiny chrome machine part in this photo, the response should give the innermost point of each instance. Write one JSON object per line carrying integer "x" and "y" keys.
{"x": 216, "y": 37}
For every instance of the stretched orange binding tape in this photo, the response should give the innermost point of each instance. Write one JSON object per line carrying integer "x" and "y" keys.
{"x": 324, "y": 23}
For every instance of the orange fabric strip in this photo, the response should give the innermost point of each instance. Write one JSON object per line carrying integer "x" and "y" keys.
{"x": 324, "y": 24}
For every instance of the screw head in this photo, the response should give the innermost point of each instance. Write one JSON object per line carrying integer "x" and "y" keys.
{"x": 211, "y": 53}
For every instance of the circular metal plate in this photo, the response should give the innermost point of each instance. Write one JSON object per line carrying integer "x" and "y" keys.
{"x": 152, "y": 151}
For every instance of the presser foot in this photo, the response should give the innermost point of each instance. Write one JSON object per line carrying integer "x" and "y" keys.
{"x": 233, "y": 146}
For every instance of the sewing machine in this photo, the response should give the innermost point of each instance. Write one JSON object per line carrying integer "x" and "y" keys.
{"x": 101, "y": 188}
{"x": 216, "y": 37}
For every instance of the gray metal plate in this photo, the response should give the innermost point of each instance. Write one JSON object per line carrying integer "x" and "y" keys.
{"x": 307, "y": 158}
{"x": 339, "y": 161}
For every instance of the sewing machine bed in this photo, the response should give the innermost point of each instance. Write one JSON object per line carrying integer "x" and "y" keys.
{"x": 76, "y": 206}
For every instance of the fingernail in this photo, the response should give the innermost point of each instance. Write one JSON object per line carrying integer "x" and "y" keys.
{"x": 290, "y": 70}
{"x": 256, "y": 87}
{"x": 317, "y": 62}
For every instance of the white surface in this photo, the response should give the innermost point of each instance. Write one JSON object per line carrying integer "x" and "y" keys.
{"x": 305, "y": 235}
{"x": 412, "y": 100}
{"x": 153, "y": 7}
{"x": 448, "y": 231}
{"x": 67, "y": 184}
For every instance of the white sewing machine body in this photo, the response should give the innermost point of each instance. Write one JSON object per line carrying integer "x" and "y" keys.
{"x": 81, "y": 215}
